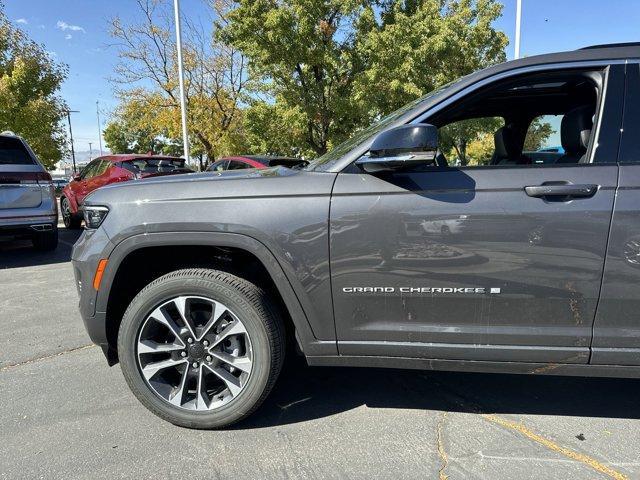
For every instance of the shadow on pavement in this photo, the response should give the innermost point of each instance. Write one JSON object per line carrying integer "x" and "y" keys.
{"x": 20, "y": 253}
{"x": 306, "y": 393}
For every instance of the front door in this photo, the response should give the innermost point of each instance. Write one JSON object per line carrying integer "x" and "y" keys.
{"x": 473, "y": 261}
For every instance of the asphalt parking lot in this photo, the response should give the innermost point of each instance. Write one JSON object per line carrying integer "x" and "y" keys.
{"x": 65, "y": 414}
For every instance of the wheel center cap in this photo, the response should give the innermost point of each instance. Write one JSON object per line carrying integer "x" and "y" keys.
{"x": 197, "y": 351}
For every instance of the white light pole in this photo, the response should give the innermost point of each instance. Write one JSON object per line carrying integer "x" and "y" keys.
{"x": 183, "y": 103}
{"x": 518, "y": 17}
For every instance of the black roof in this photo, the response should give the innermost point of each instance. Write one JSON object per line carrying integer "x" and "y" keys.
{"x": 621, "y": 51}
{"x": 612, "y": 45}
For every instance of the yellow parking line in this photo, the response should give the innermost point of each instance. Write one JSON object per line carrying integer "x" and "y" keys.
{"x": 590, "y": 462}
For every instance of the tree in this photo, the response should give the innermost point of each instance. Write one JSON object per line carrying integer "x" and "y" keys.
{"x": 147, "y": 80}
{"x": 271, "y": 128}
{"x": 138, "y": 127}
{"x": 421, "y": 45}
{"x": 537, "y": 135}
{"x": 31, "y": 105}
{"x": 480, "y": 150}
{"x": 458, "y": 138}
{"x": 337, "y": 65}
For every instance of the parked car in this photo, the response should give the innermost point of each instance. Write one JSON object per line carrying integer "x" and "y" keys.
{"x": 199, "y": 285}
{"x": 255, "y": 161}
{"x": 113, "y": 169}
{"x": 28, "y": 207}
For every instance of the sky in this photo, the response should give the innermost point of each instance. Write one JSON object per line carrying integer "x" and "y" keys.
{"x": 77, "y": 33}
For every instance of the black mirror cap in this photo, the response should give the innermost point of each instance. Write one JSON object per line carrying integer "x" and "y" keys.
{"x": 405, "y": 139}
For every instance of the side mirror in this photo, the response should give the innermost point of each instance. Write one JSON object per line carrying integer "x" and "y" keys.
{"x": 77, "y": 177}
{"x": 401, "y": 147}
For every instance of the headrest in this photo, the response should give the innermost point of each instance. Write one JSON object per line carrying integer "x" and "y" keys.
{"x": 575, "y": 129}
{"x": 507, "y": 144}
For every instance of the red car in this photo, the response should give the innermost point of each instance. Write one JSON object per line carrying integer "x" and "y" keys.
{"x": 112, "y": 169}
{"x": 254, "y": 161}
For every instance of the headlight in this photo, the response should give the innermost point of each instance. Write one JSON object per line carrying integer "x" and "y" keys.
{"x": 94, "y": 215}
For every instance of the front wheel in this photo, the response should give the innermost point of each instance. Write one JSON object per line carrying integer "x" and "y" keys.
{"x": 201, "y": 348}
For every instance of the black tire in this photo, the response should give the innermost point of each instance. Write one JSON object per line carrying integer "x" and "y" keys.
{"x": 46, "y": 241}
{"x": 71, "y": 221}
{"x": 249, "y": 302}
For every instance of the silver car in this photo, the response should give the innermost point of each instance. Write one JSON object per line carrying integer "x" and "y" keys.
{"x": 28, "y": 207}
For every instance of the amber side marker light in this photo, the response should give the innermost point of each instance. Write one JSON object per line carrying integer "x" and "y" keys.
{"x": 102, "y": 264}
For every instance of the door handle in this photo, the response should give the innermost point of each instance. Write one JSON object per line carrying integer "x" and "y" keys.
{"x": 568, "y": 190}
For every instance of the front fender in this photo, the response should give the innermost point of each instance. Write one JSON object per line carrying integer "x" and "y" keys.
{"x": 291, "y": 291}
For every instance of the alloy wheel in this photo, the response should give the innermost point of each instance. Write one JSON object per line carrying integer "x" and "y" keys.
{"x": 66, "y": 212}
{"x": 194, "y": 353}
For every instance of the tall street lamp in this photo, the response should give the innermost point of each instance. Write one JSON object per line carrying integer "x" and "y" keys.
{"x": 518, "y": 18}
{"x": 183, "y": 103}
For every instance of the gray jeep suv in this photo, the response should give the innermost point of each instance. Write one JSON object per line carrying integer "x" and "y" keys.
{"x": 28, "y": 205}
{"x": 445, "y": 236}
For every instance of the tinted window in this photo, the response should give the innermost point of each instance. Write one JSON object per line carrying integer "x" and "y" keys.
{"x": 13, "y": 152}
{"x": 218, "y": 166}
{"x": 542, "y": 143}
{"x": 236, "y": 165}
{"x": 89, "y": 170}
{"x": 154, "y": 165}
{"x": 102, "y": 167}
{"x": 130, "y": 166}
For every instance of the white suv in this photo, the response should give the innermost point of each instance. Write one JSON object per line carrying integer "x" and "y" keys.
{"x": 28, "y": 207}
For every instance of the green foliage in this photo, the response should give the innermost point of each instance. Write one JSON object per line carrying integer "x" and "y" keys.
{"x": 30, "y": 81}
{"x": 480, "y": 150}
{"x": 335, "y": 66}
{"x": 303, "y": 50}
{"x": 139, "y": 127}
{"x": 294, "y": 77}
{"x": 274, "y": 129}
{"x": 421, "y": 45}
{"x": 147, "y": 81}
{"x": 468, "y": 141}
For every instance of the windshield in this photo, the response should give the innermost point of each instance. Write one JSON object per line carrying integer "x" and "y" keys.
{"x": 360, "y": 136}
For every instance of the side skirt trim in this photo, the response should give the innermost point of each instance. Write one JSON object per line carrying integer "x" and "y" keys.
{"x": 477, "y": 366}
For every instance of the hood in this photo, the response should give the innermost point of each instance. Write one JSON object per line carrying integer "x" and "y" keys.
{"x": 209, "y": 176}
{"x": 269, "y": 182}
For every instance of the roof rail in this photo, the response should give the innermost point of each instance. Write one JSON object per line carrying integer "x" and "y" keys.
{"x": 612, "y": 45}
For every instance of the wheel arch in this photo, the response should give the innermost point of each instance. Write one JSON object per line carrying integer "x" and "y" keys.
{"x": 72, "y": 201}
{"x": 158, "y": 253}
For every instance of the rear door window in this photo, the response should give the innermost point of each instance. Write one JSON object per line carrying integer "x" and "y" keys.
{"x": 13, "y": 152}
{"x": 236, "y": 165}
{"x": 542, "y": 143}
